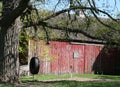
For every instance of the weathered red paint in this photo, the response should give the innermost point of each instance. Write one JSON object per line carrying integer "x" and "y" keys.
{"x": 78, "y": 58}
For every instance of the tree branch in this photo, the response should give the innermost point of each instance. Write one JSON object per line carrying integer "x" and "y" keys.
{"x": 9, "y": 18}
{"x": 73, "y": 8}
{"x": 73, "y": 30}
{"x": 77, "y": 7}
{"x": 27, "y": 24}
{"x": 47, "y": 35}
{"x": 99, "y": 19}
{"x": 65, "y": 10}
{"x": 103, "y": 22}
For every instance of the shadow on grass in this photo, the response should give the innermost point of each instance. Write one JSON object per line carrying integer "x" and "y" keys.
{"x": 66, "y": 83}
{"x": 112, "y": 77}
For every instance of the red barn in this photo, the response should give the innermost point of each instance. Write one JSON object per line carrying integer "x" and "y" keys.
{"x": 71, "y": 57}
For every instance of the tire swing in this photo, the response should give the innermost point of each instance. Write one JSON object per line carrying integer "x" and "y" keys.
{"x": 34, "y": 62}
{"x": 34, "y": 65}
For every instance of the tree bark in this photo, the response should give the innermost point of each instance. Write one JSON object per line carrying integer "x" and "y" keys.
{"x": 9, "y": 55}
{"x": 9, "y": 41}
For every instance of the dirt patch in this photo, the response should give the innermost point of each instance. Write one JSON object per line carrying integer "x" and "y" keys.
{"x": 79, "y": 79}
{"x": 46, "y": 83}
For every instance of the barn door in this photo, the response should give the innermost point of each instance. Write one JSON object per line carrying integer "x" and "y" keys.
{"x": 78, "y": 59}
{"x": 46, "y": 67}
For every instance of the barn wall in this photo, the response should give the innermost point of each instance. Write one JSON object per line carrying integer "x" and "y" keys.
{"x": 63, "y": 57}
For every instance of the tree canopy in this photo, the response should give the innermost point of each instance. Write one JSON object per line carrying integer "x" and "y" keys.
{"x": 32, "y": 15}
{"x": 75, "y": 17}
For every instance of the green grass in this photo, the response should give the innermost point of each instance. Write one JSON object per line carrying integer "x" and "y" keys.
{"x": 36, "y": 81}
{"x": 52, "y": 76}
{"x": 70, "y": 84}
{"x": 8, "y": 85}
{"x": 84, "y": 84}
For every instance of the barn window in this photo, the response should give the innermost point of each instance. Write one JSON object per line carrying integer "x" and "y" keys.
{"x": 76, "y": 54}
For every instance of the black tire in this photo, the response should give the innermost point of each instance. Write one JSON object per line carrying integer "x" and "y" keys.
{"x": 34, "y": 65}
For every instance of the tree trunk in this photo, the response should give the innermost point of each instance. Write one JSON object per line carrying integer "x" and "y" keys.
{"x": 9, "y": 41}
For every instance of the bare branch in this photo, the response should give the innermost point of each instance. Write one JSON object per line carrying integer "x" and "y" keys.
{"x": 92, "y": 4}
{"x": 108, "y": 15}
{"x": 87, "y": 18}
{"x": 57, "y": 4}
{"x": 100, "y": 20}
{"x": 47, "y": 35}
{"x": 103, "y": 22}
{"x": 65, "y": 10}
{"x": 73, "y": 30}
{"x": 74, "y": 8}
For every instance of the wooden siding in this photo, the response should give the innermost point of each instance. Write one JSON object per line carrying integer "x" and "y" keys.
{"x": 76, "y": 58}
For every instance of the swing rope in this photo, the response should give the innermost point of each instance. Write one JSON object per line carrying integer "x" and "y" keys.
{"x": 36, "y": 41}
{"x": 47, "y": 35}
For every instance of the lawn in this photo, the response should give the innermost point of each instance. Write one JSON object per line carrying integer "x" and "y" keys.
{"x": 46, "y": 81}
{"x": 61, "y": 76}
{"x": 67, "y": 84}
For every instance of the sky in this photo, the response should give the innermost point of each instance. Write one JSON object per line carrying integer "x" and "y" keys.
{"x": 109, "y": 6}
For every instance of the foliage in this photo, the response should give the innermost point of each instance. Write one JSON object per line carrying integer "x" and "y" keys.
{"x": 45, "y": 53}
{"x": 118, "y": 16}
{"x": 0, "y": 8}
{"x": 91, "y": 25}
{"x": 23, "y": 47}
